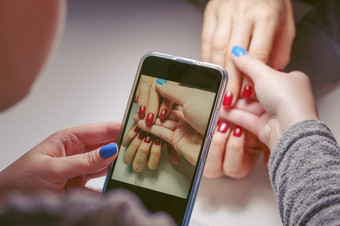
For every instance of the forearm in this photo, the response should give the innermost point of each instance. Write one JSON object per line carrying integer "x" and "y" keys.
{"x": 304, "y": 172}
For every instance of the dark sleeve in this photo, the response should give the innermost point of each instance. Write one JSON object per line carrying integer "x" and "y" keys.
{"x": 304, "y": 171}
{"x": 118, "y": 208}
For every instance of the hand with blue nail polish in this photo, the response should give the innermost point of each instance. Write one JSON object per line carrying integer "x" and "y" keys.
{"x": 65, "y": 160}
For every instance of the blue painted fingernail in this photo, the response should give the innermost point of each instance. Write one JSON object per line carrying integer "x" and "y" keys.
{"x": 108, "y": 150}
{"x": 238, "y": 51}
{"x": 161, "y": 81}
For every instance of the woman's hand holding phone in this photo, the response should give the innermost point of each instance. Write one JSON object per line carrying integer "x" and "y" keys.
{"x": 65, "y": 160}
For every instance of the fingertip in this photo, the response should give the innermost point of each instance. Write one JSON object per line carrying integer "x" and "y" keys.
{"x": 161, "y": 81}
{"x": 237, "y": 132}
{"x": 238, "y": 51}
{"x": 108, "y": 150}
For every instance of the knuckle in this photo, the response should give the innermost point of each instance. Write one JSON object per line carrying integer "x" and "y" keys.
{"x": 242, "y": 7}
{"x": 89, "y": 159}
{"x": 259, "y": 53}
{"x": 210, "y": 7}
{"x": 219, "y": 43}
{"x": 143, "y": 150}
{"x": 156, "y": 153}
{"x": 212, "y": 172}
{"x": 138, "y": 167}
{"x": 234, "y": 173}
{"x": 127, "y": 159}
{"x": 206, "y": 37}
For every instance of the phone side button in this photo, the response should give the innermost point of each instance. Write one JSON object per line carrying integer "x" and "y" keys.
{"x": 215, "y": 119}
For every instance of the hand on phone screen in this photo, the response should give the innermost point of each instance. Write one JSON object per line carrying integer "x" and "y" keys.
{"x": 167, "y": 131}
{"x": 186, "y": 124}
{"x": 144, "y": 148}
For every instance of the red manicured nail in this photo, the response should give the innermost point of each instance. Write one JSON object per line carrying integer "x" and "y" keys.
{"x": 163, "y": 114}
{"x": 137, "y": 129}
{"x": 147, "y": 139}
{"x": 141, "y": 111}
{"x": 136, "y": 99}
{"x": 228, "y": 99}
{"x": 149, "y": 118}
{"x": 157, "y": 141}
{"x": 247, "y": 91}
{"x": 141, "y": 135}
{"x": 222, "y": 127}
{"x": 237, "y": 131}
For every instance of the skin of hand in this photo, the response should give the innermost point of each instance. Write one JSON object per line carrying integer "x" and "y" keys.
{"x": 149, "y": 103}
{"x": 233, "y": 152}
{"x": 196, "y": 104}
{"x": 40, "y": 22}
{"x": 179, "y": 134}
{"x": 185, "y": 128}
{"x": 65, "y": 160}
{"x": 144, "y": 149}
{"x": 264, "y": 27}
{"x": 287, "y": 98}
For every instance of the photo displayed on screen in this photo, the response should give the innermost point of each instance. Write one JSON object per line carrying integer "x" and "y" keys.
{"x": 163, "y": 137}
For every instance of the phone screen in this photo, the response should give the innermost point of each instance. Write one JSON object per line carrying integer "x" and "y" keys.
{"x": 161, "y": 156}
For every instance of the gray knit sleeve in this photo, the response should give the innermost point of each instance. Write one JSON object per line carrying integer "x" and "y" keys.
{"x": 304, "y": 171}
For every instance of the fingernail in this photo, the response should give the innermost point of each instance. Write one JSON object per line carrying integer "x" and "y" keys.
{"x": 161, "y": 81}
{"x": 163, "y": 114}
{"x": 108, "y": 150}
{"x": 137, "y": 129}
{"x": 149, "y": 118}
{"x": 136, "y": 99}
{"x": 237, "y": 131}
{"x": 157, "y": 141}
{"x": 222, "y": 127}
{"x": 141, "y": 135}
{"x": 247, "y": 91}
{"x": 141, "y": 111}
{"x": 228, "y": 99}
{"x": 147, "y": 139}
{"x": 238, "y": 51}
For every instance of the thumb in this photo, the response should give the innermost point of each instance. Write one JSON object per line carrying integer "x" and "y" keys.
{"x": 175, "y": 93}
{"x": 88, "y": 162}
{"x": 250, "y": 66}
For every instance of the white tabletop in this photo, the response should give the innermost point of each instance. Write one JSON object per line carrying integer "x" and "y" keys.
{"x": 88, "y": 79}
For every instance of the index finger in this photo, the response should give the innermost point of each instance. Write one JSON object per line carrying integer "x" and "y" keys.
{"x": 208, "y": 28}
{"x": 90, "y": 136}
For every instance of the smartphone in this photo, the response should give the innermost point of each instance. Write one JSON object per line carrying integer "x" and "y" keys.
{"x": 162, "y": 154}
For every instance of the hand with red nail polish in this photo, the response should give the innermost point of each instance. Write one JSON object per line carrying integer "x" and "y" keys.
{"x": 144, "y": 150}
{"x": 233, "y": 152}
{"x": 284, "y": 99}
{"x": 149, "y": 106}
{"x": 186, "y": 124}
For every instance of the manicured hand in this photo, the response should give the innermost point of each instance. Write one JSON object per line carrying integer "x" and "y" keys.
{"x": 287, "y": 98}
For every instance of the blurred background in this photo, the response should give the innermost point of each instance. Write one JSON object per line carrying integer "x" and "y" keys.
{"x": 89, "y": 76}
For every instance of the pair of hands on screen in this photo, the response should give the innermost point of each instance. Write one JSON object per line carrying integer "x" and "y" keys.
{"x": 266, "y": 29}
{"x": 186, "y": 124}
{"x": 144, "y": 148}
{"x": 65, "y": 160}
{"x": 182, "y": 130}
